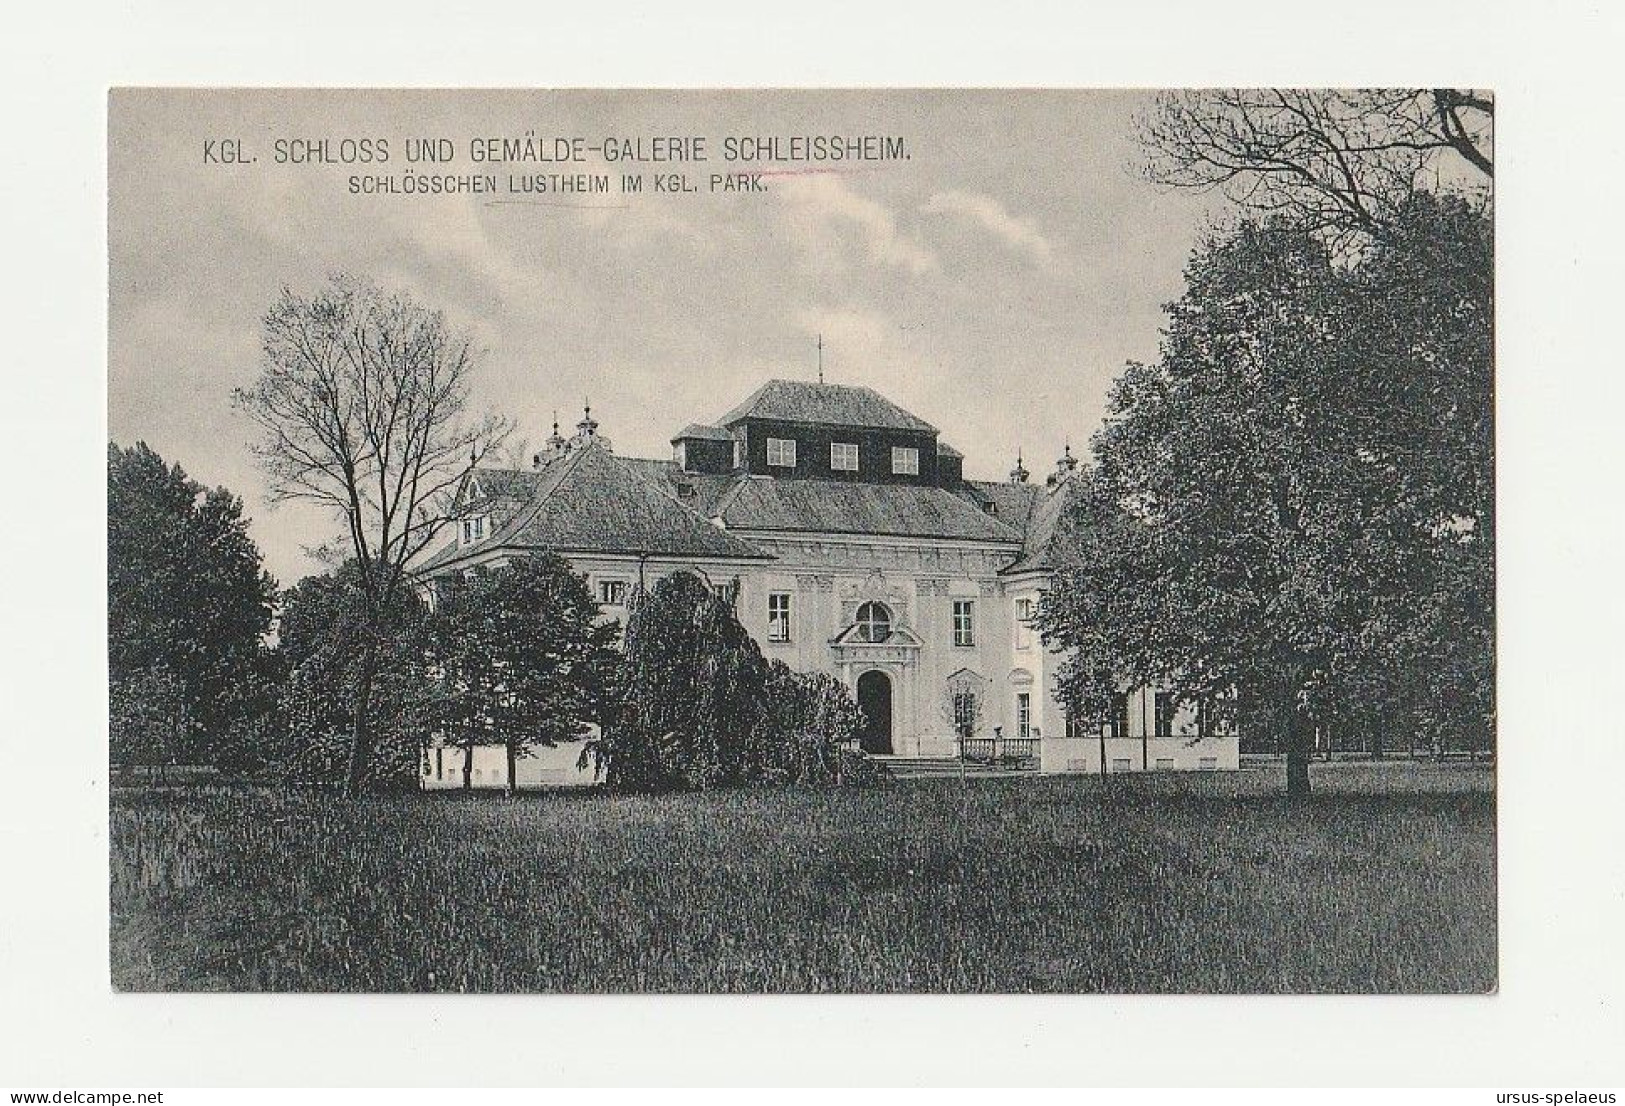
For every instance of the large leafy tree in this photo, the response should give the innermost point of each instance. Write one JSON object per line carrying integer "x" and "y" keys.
{"x": 520, "y": 657}
{"x": 1291, "y": 512}
{"x": 149, "y": 723}
{"x": 327, "y": 626}
{"x": 188, "y": 601}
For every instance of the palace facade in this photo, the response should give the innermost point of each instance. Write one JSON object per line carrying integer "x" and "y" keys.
{"x": 845, "y": 533}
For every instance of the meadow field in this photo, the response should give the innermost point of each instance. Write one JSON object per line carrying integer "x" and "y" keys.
{"x": 1383, "y": 881}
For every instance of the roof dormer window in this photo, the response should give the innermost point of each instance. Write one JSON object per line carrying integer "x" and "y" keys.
{"x": 904, "y": 461}
{"x": 473, "y": 530}
{"x": 843, "y": 457}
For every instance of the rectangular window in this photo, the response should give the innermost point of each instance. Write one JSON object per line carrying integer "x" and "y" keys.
{"x": 905, "y": 462}
{"x": 1024, "y": 714}
{"x": 1119, "y": 716}
{"x": 1208, "y": 764}
{"x": 728, "y": 592}
{"x": 1077, "y": 725}
{"x": 1024, "y": 618}
{"x": 473, "y": 530}
{"x": 1166, "y": 706}
{"x": 778, "y": 616}
{"x": 1205, "y": 723}
{"x": 843, "y": 457}
{"x": 1165, "y": 764}
{"x": 612, "y": 593}
{"x": 781, "y": 453}
{"x": 1121, "y": 764}
{"x": 964, "y": 622}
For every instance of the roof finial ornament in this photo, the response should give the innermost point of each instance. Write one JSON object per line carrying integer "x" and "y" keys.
{"x": 1066, "y": 463}
{"x": 1019, "y": 474}
{"x": 588, "y": 426}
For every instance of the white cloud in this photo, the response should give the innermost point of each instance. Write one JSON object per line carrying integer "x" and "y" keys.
{"x": 823, "y": 210}
{"x": 1021, "y": 235}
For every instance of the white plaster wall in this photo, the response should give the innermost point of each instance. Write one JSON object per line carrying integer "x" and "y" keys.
{"x": 442, "y": 769}
{"x": 1178, "y": 754}
{"x": 922, "y": 579}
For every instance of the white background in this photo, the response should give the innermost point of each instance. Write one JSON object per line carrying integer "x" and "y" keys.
{"x": 1558, "y": 1020}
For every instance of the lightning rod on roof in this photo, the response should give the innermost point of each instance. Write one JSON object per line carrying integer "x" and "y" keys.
{"x": 820, "y": 357}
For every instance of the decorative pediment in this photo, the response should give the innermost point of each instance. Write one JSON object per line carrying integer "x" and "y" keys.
{"x": 901, "y": 638}
{"x": 876, "y": 587}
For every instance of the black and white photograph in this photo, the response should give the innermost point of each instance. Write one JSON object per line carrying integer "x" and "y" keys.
{"x": 773, "y": 541}
{"x": 735, "y": 549}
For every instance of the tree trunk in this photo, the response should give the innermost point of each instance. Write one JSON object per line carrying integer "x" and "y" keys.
{"x": 361, "y": 724}
{"x": 468, "y": 765}
{"x": 1300, "y": 744}
{"x": 513, "y": 773}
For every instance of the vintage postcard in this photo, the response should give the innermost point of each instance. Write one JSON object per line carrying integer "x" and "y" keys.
{"x": 802, "y": 541}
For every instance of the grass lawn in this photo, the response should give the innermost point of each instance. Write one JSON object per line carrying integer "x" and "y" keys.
{"x": 1383, "y": 881}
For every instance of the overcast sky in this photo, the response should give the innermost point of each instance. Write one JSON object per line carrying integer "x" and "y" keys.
{"x": 994, "y": 283}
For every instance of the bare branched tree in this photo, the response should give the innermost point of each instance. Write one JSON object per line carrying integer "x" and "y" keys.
{"x": 1340, "y": 162}
{"x": 362, "y": 403}
{"x": 963, "y": 706}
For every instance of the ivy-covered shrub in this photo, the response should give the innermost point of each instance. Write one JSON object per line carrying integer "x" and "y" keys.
{"x": 690, "y": 692}
{"x": 698, "y": 706}
{"x": 807, "y": 720}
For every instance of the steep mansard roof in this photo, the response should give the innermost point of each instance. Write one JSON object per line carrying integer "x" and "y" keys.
{"x": 826, "y": 404}
{"x": 816, "y": 506}
{"x": 589, "y": 501}
{"x": 703, "y": 432}
{"x": 1045, "y": 528}
{"x": 745, "y": 503}
{"x": 1012, "y": 503}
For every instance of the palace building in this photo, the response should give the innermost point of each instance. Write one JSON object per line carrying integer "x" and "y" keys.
{"x": 844, "y": 532}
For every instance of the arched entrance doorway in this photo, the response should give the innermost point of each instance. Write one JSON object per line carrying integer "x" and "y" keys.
{"x": 874, "y": 699}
